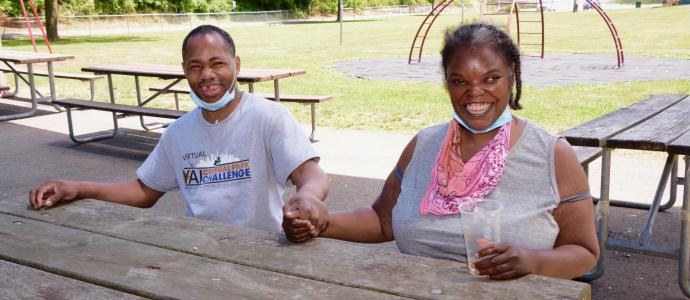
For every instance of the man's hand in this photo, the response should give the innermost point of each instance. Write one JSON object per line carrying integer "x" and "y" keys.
{"x": 304, "y": 214}
{"x": 296, "y": 229}
{"x": 51, "y": 192}
{"x": 305, "y": 211}
{"x": 504, "y": 261}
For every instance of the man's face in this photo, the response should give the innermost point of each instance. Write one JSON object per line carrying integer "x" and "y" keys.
{"x": 209, "y": 66}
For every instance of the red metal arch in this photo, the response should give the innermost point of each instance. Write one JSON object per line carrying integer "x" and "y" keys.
{"x": 435, "y": 11}
{"x": 612, "y": 29}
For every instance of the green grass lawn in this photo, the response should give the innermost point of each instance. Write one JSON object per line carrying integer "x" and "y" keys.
{"x": 391, "y": 105}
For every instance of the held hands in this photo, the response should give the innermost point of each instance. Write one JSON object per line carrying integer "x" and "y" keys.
{"x": 304, "y": 217}
{"x": 504, "y": 261}
{"x": 51, "y": 192}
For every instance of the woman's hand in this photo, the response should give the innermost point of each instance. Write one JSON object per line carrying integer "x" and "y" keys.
{"x": 504, "y": 261}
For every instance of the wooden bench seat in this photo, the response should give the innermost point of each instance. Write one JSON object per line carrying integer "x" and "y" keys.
{"x": 311, "y": 100}
{"x": 44, "y": 73}
{"x": 68, "y": 104}
{"x": 91, "y": 78}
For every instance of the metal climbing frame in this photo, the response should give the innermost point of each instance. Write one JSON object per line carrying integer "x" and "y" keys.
{"x": 612, "y": 29}
{"x": 498, "y": 7}
{"x": 424, "y": 27}
{"x": 521, "y": 9}
{"x": 28, "y": 25}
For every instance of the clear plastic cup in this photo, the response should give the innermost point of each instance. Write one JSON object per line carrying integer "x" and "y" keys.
{"x": 481, "y": 223}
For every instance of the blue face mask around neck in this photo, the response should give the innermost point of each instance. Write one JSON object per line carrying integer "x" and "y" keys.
{"x": 222, "y": 102}
{"x": 504, "y": 118}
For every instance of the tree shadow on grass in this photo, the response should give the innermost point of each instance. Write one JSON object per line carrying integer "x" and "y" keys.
{"x": 82, "y": 40}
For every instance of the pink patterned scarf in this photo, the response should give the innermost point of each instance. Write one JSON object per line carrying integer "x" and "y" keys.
{"x": 454, "y": 182}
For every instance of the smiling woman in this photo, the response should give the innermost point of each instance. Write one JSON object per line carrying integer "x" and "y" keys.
{"x": 483, "y": 153}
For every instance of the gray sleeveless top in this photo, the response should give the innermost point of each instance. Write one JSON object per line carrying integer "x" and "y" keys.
{"x": 527, "y": 191}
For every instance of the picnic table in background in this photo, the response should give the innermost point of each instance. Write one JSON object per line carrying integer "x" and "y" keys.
{"x": 176, "y": 74}
{"x": 10, "y": 58}
{"x": 153, "y": 254}
{"x": 658, "y": 123}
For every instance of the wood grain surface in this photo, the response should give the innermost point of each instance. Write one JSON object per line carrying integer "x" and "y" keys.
{"x": 151, "y": 272}
{"x": 596, "y": 132}
{"x": 21, "y": 282}
{"x": 656, "y": 133}
{"x": 321, "y": 260}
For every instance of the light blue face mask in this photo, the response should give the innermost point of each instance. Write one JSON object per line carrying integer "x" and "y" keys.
{"x": 504, "y": 118}
{"x": 222, "y": 102}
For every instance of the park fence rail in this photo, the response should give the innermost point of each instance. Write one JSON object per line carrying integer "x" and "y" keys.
{"x": 143, "y": 23}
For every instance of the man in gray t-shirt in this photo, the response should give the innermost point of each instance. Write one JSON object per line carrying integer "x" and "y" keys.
{"x": 230, "y": 158}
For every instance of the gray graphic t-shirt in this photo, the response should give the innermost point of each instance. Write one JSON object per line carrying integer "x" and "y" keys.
{"x": 234, "y": 171}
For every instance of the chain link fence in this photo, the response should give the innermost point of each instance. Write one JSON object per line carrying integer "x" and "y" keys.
{"x": 144, "y": 23}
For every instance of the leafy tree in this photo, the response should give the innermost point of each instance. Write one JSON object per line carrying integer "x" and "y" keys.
{"x": 308, "y": 7}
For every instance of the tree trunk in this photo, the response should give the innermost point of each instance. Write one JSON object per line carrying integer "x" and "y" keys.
{"x": 52, "y": 19}
{"x": 340, "y": 11}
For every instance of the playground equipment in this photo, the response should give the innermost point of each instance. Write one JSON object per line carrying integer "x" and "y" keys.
{"x": 526, "y": 29}
{"x": 28, "y": 25}
{"x": 524, "y": 11}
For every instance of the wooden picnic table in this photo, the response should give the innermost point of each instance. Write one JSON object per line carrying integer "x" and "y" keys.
{"x": 176, "y": 74}
{"x": 92, "y": 247}
{"x": 659, "y": 123}
{"x": 11, "y": 57}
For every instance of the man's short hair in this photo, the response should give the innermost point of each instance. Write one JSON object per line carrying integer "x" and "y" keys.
{"x": 206, "y": 29}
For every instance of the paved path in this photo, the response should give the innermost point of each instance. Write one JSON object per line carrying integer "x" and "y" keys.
{"x": 553, "y": 70}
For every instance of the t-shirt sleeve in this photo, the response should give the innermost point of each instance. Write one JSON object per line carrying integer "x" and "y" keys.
{"x": 157, "y": 171}
{"x": 290, "y": 147}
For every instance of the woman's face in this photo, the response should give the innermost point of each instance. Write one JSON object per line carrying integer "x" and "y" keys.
{"x": 479, "y": 82}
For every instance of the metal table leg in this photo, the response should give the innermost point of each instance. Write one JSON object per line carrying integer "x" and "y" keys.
{"x": 673, "y": 190}
{"x": 34, "y": 98}
{"x": 51, "y": 82}
{"x": 602, "y": 216}
{"x": 683, "y": 263}
{"x": 312, "y": 136}
{"x": 140, "y": 103}
{"x": 16, "y": 82}
{"x": 646, "y": 234}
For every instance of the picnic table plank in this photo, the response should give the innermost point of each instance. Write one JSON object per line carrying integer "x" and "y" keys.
{"x": 171, "y": 72}
{"x": 149, "y": 111}
{"x": 44, "y": 285}
{"x": 680, "y": 145}
{"x": 595, "y": 133}
{"x": 175, "y": 71}
{"x": 328, "y": 260}
{"x": 657, "y": 132}
{"x": 149, "y": 271}
{"x": 21, "y": 57}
